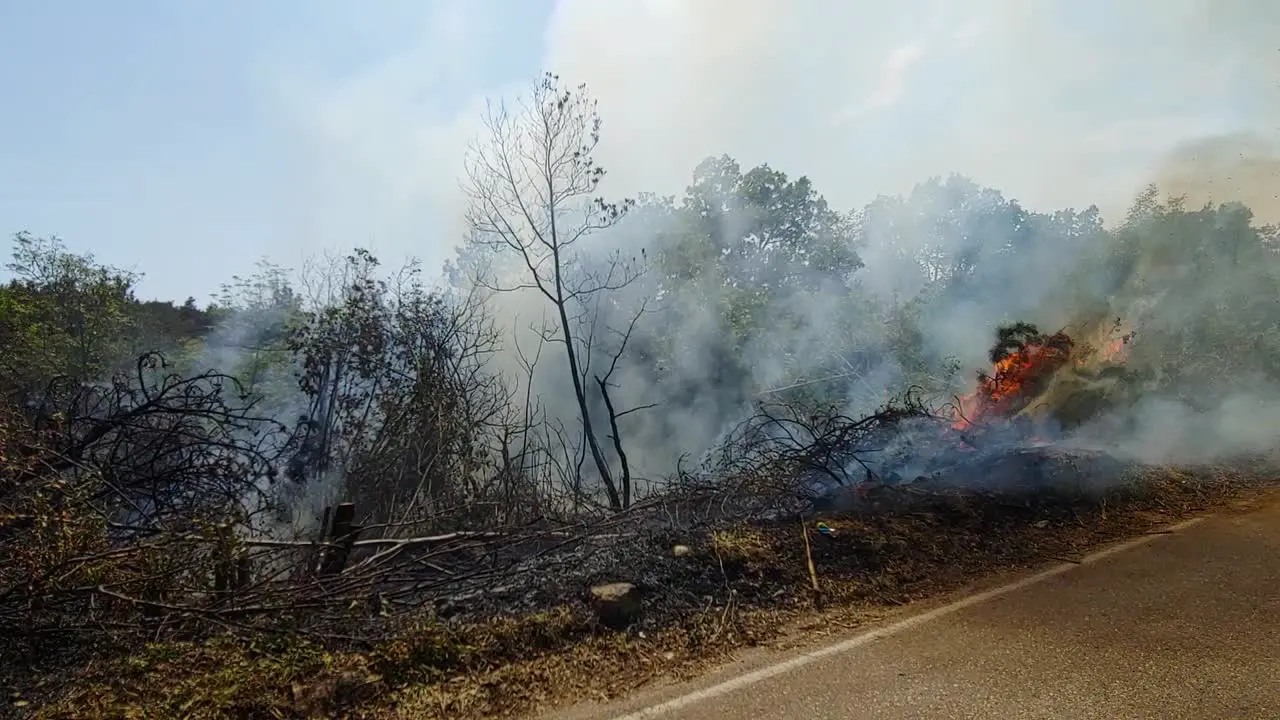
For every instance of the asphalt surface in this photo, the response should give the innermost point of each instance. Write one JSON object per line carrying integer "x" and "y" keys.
{"x": 1179, "y": 625}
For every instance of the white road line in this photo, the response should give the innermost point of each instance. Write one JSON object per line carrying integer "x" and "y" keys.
{"x": 813, "y": 656}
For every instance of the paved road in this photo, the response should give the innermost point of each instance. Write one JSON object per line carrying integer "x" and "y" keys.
{"x": 1183, "y": 625}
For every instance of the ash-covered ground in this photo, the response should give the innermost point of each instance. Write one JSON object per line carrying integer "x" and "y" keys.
{"x": 909, "y": 478}
{"x": 958, "y": 497}
{"x": 985, "y": 477}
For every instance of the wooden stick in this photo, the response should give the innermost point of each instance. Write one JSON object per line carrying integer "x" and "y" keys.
{"x": 808, "y": 554}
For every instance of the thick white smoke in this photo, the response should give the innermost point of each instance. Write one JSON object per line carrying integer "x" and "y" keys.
{"x": 1055, "y": 104}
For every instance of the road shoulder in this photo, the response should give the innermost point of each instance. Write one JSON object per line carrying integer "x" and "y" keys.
{"x": 809, "y": 652}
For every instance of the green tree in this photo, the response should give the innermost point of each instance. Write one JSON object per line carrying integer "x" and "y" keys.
{"x": 63, "y": 315}
{"x": 759, "y": 230}
{"x": 1203, "y": 290}
{"x": 745, "y": 257}
{"x": 400, "y": 405}
{"x": 254, "y": 316}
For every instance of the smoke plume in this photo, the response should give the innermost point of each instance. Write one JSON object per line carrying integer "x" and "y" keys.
{"x": 1061, "y": 113}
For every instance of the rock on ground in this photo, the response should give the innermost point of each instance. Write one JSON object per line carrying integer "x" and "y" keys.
{"x": 616, "y": 604}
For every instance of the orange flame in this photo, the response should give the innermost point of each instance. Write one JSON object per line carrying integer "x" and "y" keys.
{"x": 1015, "y": 379}
{"x": 1116, "y": 350}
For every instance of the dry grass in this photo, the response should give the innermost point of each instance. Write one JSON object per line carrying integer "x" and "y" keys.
{"x": 510, "y": 667}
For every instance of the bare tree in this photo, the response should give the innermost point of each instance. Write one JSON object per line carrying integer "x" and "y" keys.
{"x": 531, "y": 184}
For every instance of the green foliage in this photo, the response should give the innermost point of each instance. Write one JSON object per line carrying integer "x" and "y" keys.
{"x": 255, "y": 316}
{"x": 62, "y": 315}
{"x": 745, "y": 255}
{"x": 390, "y": 371}
{"x": 1203, "y": 287}
{"x": 760, "y": 230}
{"x": 66, "y": 315}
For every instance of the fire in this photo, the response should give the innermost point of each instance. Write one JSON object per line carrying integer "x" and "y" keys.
{"x": 1023, "y": 363}
{"x": 1024, "y": 360}
{"x": 1115, "y": 350}
{"x": 1115, "y": 346}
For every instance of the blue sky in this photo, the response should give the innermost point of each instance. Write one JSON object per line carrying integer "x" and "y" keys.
{"x": 187, "y": 139}
{"x": 145, "y": 131}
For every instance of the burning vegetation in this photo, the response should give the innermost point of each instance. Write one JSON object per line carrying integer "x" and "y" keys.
{"x": 1043, "y": 378}
{"x": 1024, "y": 362}
{"x": 1008, "y": 436}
